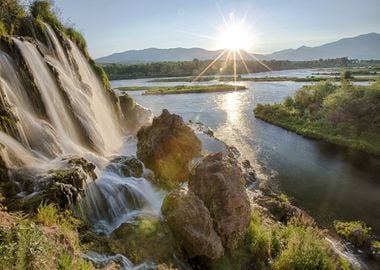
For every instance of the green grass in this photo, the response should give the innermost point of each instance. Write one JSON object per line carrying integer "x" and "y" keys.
{"x": 182, "y": 89}
{"x": 131, "y": 88}
{"x": 201, "y": 79}
{"x": 165, "y": 90}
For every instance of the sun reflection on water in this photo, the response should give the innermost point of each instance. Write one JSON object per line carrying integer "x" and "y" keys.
{"x": 232, "y": 103}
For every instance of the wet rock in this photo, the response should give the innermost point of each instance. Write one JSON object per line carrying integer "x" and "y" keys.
{"x": 167, "y": 147}
{"x": 127, "y": 166}
{"x": 219, "y": 183}
{"x": 191, "y": 223}
{"x": 64, "y": 186}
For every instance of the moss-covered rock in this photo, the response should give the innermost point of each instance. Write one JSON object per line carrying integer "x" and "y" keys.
{"x": 127, "y": 166}
{"x": 147, "y": 238}
{"x": 356, "y": 232}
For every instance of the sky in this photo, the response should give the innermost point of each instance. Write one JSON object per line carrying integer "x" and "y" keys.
{"x": 111, "y": 26}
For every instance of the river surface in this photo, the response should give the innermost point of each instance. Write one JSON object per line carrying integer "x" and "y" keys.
{"x": 327, "y": 181}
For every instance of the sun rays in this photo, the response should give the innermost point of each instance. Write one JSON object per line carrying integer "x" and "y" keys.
{"x": 236, "y": 39}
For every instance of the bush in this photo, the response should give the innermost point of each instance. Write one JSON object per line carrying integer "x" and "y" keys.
{"x": 77, "y": 37}
{"x": 356, "y": 232}
{"x": 302, "y": 249}
{"x": 25, "y": 247}
{"x": 259, "y": 240}
{"x": 47, "y": 215}
{"x": 42, "y": 9}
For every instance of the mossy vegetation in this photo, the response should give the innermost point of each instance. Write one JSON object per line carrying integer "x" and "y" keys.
{"x": 270, "y": 245}
{"x": 344, "y": 114}
{"x": 356, "y": 232}
{"x": 183, "y": 89}
{"x": 47, "y": 240}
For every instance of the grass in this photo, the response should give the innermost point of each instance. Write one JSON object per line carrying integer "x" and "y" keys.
{"x": 166, "y": 90}
{"x": 182, "y": 89}
{"x": 266, "y": 79}
{"x": 270, "y": 245}
{"x": 191, "y": 79}
{"x": 48, "y": 240}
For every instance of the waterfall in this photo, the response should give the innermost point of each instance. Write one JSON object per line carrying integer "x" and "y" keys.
{"x": 55, "y": 106}
{"x": 113, "y": 200}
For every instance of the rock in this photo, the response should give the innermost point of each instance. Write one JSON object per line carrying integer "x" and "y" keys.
{"x": 146, "y": 238}
{"x": 191, "y": 224}
{"x": 219, "y": 183}
{"x": 127, "y": 166}
{"x": 167, "y": 147}
{"x": 64, "y": 186}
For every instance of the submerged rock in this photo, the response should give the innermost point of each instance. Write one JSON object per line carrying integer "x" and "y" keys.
{"x": 127, "y": 166}
{"x": 167, "y": 147}
{"x": 218, "y": 181}
{"x": 191, "y": 223}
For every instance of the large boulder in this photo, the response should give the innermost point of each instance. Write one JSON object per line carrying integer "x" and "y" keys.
{"x": 191, "y": 224}
{"x": 167, "y": 147}
{"x": 219, "y": 182}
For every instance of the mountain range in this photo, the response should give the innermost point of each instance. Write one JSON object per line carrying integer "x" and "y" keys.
{"x": 364, "y": 47}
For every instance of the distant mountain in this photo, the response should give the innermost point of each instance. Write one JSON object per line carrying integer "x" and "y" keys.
{"x": 161, "y": 55}
{"x": 363, "y": 47}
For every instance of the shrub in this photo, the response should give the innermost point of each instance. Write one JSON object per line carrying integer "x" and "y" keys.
{"x": 302, "y": 249}
{"x": 77, "y": 37}
{"x": 42, "y": 9}
{"x": 259, "y": 239}
{"x": 47, "y": 215}
{"x": 65, "y": 262}
{"x": 25, "y": 247}
{"x": 356, "y": 232}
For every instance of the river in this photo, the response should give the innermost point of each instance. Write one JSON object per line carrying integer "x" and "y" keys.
{"x": 328, "y": 181}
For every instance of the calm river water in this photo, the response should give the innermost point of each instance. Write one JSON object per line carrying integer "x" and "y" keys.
{"x": 329, "y": 182}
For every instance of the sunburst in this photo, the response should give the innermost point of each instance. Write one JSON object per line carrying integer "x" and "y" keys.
{"x": 236, "y": 39}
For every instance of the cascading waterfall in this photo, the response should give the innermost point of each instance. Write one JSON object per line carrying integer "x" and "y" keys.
{"x": 80, "y": 119}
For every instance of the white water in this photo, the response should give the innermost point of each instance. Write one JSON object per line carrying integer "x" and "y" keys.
{"x": 123, "y": 261}
{"x": 114, "y": 200}
{"x": 81, "y": 119}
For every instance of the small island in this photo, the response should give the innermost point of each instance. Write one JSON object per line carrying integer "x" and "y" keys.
{"x": 184, "y": 89}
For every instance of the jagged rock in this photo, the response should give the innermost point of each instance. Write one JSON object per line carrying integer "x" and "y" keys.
{"x": 167, "y": 147}
{"x": 64, "y": 186}
{"x": 218, "y": 181}
{"x": 277, "y": 208}
{"x": 191, "y": 224}
{"x": 127, "y": 166}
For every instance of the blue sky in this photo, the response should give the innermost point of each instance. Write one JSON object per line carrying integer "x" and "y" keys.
{"x": 119, "y": 25}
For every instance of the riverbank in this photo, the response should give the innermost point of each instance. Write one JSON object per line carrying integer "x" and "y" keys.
{"x": 273, "y": 114}
{"x": 182, "y": 89}
{"x": 343, "y": 115}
